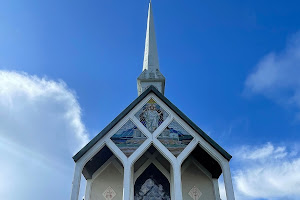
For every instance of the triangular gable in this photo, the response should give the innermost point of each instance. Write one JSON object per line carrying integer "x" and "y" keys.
{"x": 171, "y": 106}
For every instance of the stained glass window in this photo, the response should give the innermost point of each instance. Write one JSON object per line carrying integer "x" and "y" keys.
{"x": 128, "y": 138}
{"x": 151, "y": 115}
{"x": 175, "y": 138}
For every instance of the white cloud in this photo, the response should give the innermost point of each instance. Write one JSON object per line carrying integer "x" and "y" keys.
{"x": 267, "y": 172}
{"x": 261, "y": 153}
{"x": 277, "y": 75}
{"x": 40, "y": 130}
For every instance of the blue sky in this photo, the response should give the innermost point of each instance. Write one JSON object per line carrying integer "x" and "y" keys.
{"x": 231, "y": 66}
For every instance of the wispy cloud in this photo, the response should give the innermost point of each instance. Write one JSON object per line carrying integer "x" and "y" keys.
{"x": 267, "y": 172}
{"x": 40, "y": 130}
{"x": 276, "y": 75}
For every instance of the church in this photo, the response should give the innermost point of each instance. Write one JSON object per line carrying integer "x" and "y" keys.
{"x": 151, "y": 150}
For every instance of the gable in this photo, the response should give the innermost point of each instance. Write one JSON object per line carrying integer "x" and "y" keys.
{"x": 170, "y": 106}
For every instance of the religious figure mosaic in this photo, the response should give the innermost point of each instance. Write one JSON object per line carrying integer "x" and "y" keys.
{"x": 151, "y": 115}
{"x": 151, "y": 191}
{"x": 152, "y": 185}
{"x": 128, "y": 138}
{"x": 175, "y": 138}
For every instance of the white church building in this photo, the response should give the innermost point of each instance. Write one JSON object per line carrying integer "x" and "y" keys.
{"x": 151, "y": 150}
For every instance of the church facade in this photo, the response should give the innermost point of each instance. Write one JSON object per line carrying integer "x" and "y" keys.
{"x": 152, "y": 151}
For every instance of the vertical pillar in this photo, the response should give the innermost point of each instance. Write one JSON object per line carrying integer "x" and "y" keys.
{"x": 177, "y": 181}
{"x": 216, "y": 188}
{"x": 228, "y": 181}
{"x": 76, "y": 182}
{"x": 131, "y": 184}
{"x": 172, "y": 191}
{"x": 127, "y": 182}
{"x": 88, "y": 189}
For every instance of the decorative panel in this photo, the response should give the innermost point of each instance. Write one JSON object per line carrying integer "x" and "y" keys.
{"x": 128, "y": 138}
{"x": 109, "y": 193}
{"x": 152, "y": 185}
{"x": 151, "y": 115}
{"x": 195, "y": 193}
{"x": 175, "y": 138}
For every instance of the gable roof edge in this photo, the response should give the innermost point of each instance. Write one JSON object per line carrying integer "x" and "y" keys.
{"x": 100, "y": 135}
{"x": 196, "y": 128}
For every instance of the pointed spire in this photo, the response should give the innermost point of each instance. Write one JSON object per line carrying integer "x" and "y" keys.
{"x": 150, "y": 55}
{"x": 150, "y": 74}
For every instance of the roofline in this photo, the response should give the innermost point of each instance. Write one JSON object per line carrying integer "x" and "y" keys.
{"x": 100, "y": 135}
{"x": 208, "y": 139}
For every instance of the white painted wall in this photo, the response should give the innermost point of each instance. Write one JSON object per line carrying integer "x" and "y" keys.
{"x": 193, "y": 176}
{"x": 146, "y": 85}
{"x": 109, "y": 177}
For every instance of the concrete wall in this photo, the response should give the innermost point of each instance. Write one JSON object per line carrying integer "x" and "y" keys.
{"x": 193, "y": 176}
{"x": 109, "y": 177}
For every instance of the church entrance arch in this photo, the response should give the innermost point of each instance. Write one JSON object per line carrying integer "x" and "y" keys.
{"x": 152, "y": 185}
{"x": 152, "y": 177}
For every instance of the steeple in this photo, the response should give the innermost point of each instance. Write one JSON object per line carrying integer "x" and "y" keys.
{"x": 151, "y": 74}
{"x": 151, "y": 55}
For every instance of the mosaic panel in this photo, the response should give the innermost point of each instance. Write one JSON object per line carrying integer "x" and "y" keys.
{"x": 128, "y": 138}
{"x": 109, "y": 193}
{"x": 151, "y": 115}
{"x": 175, "y": 138}
{"x": 195, "y": 193}
{"x": 151, "y": 191}
{"x": 152, "y": 185}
